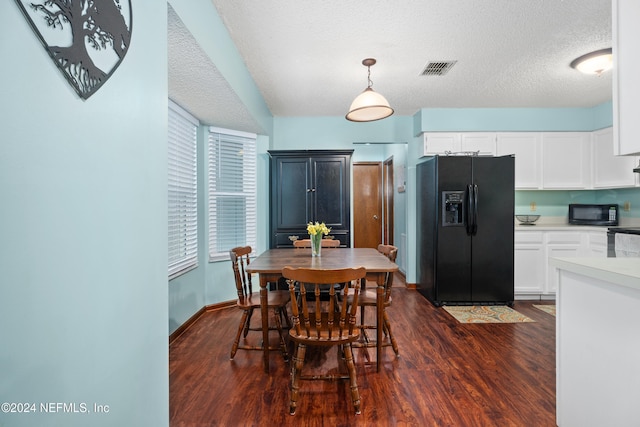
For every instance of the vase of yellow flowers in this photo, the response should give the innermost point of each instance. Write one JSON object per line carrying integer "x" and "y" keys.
{"x": 316, "y": 231}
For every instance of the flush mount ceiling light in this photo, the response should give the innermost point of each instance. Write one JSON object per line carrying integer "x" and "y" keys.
{"x": 595, "y": 62}
{"x": 369, "y": 105}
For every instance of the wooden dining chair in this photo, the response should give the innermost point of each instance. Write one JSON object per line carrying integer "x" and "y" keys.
{"x": 323, "y": 323}
{"x": 368, "y": 298}
{"x": 248, "y": 301}
{"x": 325, "y": 243}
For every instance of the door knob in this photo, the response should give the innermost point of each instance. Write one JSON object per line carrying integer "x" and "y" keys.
{"x": 375, "y": 217}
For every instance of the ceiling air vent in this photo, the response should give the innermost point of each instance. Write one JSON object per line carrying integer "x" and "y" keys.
{"x": 438, "y": 68}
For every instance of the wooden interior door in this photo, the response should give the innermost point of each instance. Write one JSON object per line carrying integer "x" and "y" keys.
{"x": 367, "y": 204}
{"x": 387, "y": 237}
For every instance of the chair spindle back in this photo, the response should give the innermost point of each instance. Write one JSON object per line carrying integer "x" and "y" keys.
{"x": 320, "y": 324}
{"x": 240, "y": 260}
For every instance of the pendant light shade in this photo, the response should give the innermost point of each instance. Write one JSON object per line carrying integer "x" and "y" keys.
{"x": 595, "y": 62}
{"x": 369, "y": 105}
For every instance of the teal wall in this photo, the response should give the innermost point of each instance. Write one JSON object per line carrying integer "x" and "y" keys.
{"x": 513, "y": 119}
{"x": 83, "y": 232}
{"x": 631, "y": 195}
{"x": 291, "y": 133}
{"x": 551, "y": 203}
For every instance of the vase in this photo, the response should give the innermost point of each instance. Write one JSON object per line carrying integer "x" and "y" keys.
{"x": 316, "y": 244}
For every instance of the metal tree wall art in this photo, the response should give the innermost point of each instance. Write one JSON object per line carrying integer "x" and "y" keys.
{"x": 86, "y": 39}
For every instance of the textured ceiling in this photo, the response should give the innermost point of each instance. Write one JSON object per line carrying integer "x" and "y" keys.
{"x": 305, "y": 56}
{"x": 196, "y": 84}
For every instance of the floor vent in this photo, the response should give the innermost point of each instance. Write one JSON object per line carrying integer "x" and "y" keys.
{"x": 438, "y": 68}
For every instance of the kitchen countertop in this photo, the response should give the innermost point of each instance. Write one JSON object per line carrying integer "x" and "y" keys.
{"x": 560, "y": 224}
{"x": 559, "y": 227}
{"x": 621, "y": 271}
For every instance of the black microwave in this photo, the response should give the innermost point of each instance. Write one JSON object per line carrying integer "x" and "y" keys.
{"x": 582, "y": 214}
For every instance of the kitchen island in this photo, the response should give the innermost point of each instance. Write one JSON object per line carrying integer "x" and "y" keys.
{"x": 597, "y": 341}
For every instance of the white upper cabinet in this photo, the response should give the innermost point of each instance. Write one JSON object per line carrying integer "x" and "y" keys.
{"x": 546, "y": 160}
{"x": 484, "y": 143}
{"x": 610, "y": 171}
{"x": 527, "y": 148}
{"x": 626, "y": 76}
{"x": 565, "y": 160}
{"x": 441, "y": 143}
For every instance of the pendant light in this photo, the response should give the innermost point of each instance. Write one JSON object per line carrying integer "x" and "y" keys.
{"x": 595, "y": 62}
{"x": 369, "y": 105}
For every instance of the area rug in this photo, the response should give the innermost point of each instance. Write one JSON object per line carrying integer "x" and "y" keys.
{"x": 486, "y": 314}
{"x": 547, "y": 308}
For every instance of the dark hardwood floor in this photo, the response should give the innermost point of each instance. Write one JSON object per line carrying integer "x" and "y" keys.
{"x": 447, "y": 374}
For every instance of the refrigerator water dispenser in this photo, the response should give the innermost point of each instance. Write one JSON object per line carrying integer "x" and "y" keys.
{"x": 452, "y": 208}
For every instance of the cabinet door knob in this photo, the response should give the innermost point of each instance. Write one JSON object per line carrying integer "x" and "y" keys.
{"x": 375, "y": 217}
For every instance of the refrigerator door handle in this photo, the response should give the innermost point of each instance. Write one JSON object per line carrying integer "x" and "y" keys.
{"x": 469, "y": 219}
{"x": 474, "y": 226}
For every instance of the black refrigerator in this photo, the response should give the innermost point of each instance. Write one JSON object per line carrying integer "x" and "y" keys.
{"x": 465, "y": 220}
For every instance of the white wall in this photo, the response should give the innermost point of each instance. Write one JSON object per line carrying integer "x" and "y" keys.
{"x": 83, "y": 232}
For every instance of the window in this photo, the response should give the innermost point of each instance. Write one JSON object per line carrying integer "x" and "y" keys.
{"x": 232, "y": 191}
{"x": 183, "y": 198}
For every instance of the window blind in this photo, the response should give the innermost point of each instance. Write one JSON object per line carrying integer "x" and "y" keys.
{"x": 232, "y": 191}
{"x": 183, "y": 198}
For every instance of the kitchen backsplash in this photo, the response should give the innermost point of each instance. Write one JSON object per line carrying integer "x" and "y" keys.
{"x": 555, "y": 203}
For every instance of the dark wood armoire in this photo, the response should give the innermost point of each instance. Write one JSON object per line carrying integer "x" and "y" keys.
{"x": 308, "y": 186}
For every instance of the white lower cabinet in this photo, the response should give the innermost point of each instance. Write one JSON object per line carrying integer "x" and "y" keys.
{"x": 566, "y": 244}
{"x": 597, "y": 244}
{"x": 529, "y": 278}
{"x": 533, "y": 277}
